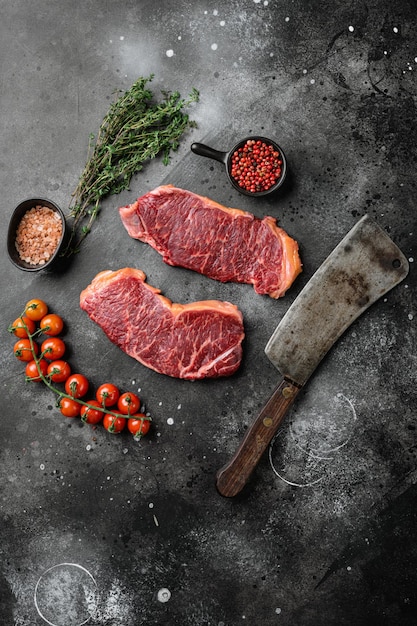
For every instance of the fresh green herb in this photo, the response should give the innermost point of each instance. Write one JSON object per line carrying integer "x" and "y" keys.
{"x": 135, "y": 129}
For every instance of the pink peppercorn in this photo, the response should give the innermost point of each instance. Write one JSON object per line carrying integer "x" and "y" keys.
{"x": 256, "y": 166}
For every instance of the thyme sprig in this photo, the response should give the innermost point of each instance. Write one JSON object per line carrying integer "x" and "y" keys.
{"x": 135, "y": 129}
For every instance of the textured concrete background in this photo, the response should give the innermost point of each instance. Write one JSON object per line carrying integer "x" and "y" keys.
{"x": 100, "y": 528}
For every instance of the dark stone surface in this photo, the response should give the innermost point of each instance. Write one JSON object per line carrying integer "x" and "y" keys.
{"x": 95, "y": 525}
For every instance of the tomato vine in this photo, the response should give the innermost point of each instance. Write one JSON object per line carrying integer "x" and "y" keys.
{"x": 105, "y": 408}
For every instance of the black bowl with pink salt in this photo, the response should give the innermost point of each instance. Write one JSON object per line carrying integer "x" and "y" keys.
{"x": 36, "y": 235}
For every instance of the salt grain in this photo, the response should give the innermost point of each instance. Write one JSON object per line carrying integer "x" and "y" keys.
{"x": 38, "y": 235}
{"x": 164, "y": 595}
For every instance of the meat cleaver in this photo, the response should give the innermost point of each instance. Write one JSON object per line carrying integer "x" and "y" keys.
{"x": 364, "y": 266}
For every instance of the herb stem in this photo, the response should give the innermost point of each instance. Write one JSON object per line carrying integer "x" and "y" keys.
{"x": 134, "y": 130}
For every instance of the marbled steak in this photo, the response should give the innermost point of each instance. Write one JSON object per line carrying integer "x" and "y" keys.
{"x": 229, "y": 245}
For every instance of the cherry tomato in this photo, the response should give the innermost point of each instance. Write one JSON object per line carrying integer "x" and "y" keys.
{"x": 53, "y": 348}
{"x": 89, "y": 415}
{"x": 128, "y": 403}
{"x": 36, "y": 309}
{"x": 138, "y": 425}
{"x": 107, "y": 394}
{"x": 23, "y": 350}
{"x": 69, "y": 407}
{"x": 18, "y": 326}
{"x": 32, "y": 371}
{"x": 76, "y": 385}
{"x": 51, "y": 324}
{"x": 59, "y": 371}
{"x": 114, "y": 424}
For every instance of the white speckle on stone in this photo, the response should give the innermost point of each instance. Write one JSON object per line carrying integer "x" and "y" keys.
{"x": 170, "y": 421}
{"x": 312, "y": 81}
{"x": 121, "y": 38}
{"x": 222, "y": 23}
{"x": 41, "y": 466}
{"x": 351, "y": 29}
{"x": 164, "y": 595}
{"x": 410, "y": 316}
{"x": 88, "y": 448}
{"x": 278, "y": 611}
{"x": 179, "y": 407}
{"x": 213, "y": 46}
{"x": 411, "y": 259}
{"x": 179, "y": 37}
{"x": 271, "y": 54}
{"x": 304, "y": 71}
{"x": 395, "y": 29}
{"x": 151, "y": 505}
{"x": 169, "y": 53}
{"x": 287, "y": 19}
{"x": 349, "y": 569}
{"x": 215, "y": 12}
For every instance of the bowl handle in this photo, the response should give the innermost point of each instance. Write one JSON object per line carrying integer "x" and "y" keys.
{"x": 211, "y": 153}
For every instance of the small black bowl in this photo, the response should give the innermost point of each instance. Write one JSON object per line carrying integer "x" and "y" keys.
{"x": 226, "y": 159}
{"x": 17, "y": 215}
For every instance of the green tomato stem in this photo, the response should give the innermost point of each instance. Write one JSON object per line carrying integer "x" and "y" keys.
{"x": 63, "y": 394}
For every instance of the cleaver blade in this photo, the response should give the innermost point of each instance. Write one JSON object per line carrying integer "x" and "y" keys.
{"x": 364, "y": 266}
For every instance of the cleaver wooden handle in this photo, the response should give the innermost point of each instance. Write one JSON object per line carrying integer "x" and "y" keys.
{"x": 231, "y": 478}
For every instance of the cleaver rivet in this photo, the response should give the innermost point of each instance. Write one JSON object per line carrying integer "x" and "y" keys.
{"x": 267, "y": 421}
{"x": 287, "y": 392}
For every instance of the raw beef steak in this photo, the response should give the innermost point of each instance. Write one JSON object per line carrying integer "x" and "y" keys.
{"x": 196, "y": 340}
{"x": 226, "y": 244}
